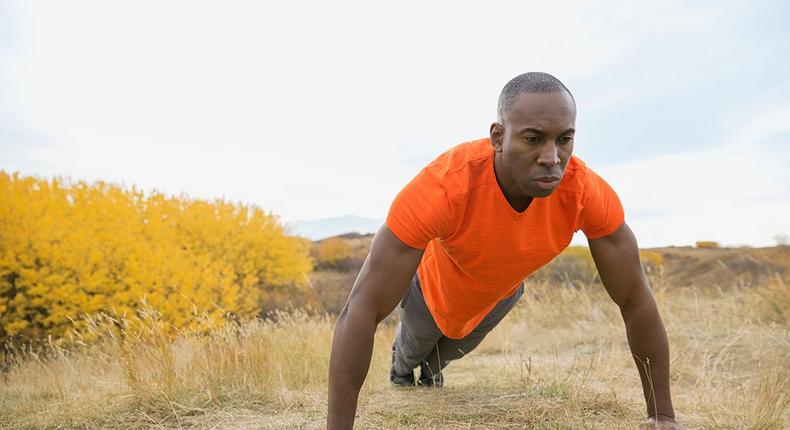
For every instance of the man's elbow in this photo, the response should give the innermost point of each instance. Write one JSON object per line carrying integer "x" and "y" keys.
{"x": 640, "y": 303}
{"x": 357, "y": 314}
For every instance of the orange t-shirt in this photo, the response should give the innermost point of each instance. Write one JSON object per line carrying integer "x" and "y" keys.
{"x": 478, "y": 249}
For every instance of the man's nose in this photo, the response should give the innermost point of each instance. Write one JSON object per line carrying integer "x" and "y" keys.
{"x": 548, "y": 155}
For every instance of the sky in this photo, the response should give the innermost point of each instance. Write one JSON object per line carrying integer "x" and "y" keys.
{"x": 323, "y": 109}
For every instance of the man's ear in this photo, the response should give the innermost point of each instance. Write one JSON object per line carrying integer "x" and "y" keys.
{"x": 496, "y": 133}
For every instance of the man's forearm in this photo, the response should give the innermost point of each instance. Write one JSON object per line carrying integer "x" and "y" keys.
{"x": 352, "y": 347}
{"x": 650, "y": 348}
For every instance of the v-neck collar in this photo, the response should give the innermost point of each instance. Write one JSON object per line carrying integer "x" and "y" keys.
{"x": 500, "y": 193}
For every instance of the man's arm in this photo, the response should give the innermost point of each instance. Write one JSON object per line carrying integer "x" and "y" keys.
{"x": 381, "y": 283}
{"x": 616, "y": 257}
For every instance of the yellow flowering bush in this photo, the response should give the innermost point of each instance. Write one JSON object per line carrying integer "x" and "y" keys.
{"x": 74, "y": 249}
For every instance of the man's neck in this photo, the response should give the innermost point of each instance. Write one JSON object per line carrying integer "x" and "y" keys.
{"x": 519, "y": 204}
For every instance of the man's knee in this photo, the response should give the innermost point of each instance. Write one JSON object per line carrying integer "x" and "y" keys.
{"x": 453, "y": 349}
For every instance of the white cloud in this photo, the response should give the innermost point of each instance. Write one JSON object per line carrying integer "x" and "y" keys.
{"x": 736, "y": 194}
{"x": 305, "y": 109}
{"x": 320, "y": 109}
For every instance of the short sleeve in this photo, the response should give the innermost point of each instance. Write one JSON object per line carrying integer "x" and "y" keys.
{"x": 421, "y": 210}
{"x": 602, "y": 213}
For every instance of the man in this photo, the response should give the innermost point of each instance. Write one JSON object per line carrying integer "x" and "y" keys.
{"x": 461, "y": 236}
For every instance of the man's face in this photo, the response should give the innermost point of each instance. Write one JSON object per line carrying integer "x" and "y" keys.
{"x": 534, "y": 143}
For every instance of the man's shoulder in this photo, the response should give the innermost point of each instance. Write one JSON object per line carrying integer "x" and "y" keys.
{"x": 575, "y": 176}
{"x": 460, "y": 157}
{"x": 462, "y": 166}
{"x": 428, "y": 205}
{"x": 583, "y": 176}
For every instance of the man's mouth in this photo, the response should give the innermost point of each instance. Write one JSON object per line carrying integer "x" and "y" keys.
{"x": 547, "y": 182}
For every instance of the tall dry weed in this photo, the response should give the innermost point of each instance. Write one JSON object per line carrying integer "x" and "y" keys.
{"x": 559, "y": 360}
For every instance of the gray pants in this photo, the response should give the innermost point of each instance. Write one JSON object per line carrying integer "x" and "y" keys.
{"x": 418, "y": 339}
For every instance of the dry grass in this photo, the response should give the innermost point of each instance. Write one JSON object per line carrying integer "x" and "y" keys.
{"x": 559, "y": 361}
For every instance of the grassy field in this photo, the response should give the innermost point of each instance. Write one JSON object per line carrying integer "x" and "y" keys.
{"x": 559, "y": 360}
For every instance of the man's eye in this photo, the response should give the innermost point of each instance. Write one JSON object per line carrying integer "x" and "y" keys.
{"x": 566, "y": 139}
{"x": 532, "y": 139}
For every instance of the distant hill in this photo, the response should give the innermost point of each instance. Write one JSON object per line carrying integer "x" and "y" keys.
{"x": 326, "y": 227}
{"x": 721, "y": 266}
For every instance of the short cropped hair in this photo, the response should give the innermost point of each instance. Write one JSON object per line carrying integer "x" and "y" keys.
{"x": 530, "y": 82}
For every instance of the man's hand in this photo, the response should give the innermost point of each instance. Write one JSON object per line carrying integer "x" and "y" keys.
{"x": 661, "y": 423}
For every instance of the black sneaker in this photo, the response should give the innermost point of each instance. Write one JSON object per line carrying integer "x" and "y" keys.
{"x": 428, "y": 378}
{"x": 399, "y": 380}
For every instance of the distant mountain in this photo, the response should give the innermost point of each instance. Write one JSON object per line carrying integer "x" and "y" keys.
{"x": 326, "y": 227}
